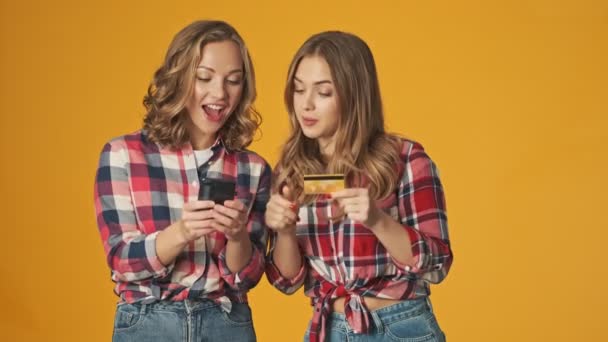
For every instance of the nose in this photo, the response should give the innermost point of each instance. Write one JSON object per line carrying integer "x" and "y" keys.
{"x": 307, "y": 101}
{"x": 217, "y": 89}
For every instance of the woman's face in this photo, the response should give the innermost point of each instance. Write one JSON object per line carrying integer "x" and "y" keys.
{"x": 315, "y": 100}
{"x": 217, "y": 91}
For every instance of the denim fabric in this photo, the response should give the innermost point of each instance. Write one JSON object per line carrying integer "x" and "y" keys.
{"x": 407, "y": 321}
{"x": 191, "y": 321}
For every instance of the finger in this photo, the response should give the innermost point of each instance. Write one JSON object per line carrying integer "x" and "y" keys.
{"x": 281, "y": 201}
{"x": 198, "y": 224}
{"x": 282, "y": 211}
{"x": 224, "y": 220}
{"x": 346, "y": 193}
{"x": 287, "y": 193}
{"x": 278, "y": 222}
{"x": 351, "y": 209}
{"x": 218, "y": 227}
{"x": 285, "y": 212}
{"x": 290, "y": 196}
{"x": 198, "y": 205}
{"x": 281, "y": 225}
{"x": 198, "y": 215}
{"x": 348, "y": 201}
{"x": 202, "y": 232}
{"x": 233, "y": 213}
{"x": 288, "y": 221}
{"x": 277, "y": 208}
{"x": 225, "y": 230}
{"x": 235, "y": 204}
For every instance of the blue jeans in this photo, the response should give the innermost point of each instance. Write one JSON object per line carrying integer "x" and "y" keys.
{"x": 407, "y": 321}
{"x": 184, "y": 321}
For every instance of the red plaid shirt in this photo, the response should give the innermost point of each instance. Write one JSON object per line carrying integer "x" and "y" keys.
{"x": 345, "y": 259}
{"x": 141, "y": 188}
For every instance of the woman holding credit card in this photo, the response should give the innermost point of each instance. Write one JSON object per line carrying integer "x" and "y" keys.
{"x": 180, "y": 202}
{"x": 358, "y": 215}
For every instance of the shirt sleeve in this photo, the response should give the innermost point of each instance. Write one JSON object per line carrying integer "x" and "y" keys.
{"x": 422, "y": 212}
{"x": 130, "y": 253}
{"x": 283, "y": 284}
{"x": 251, "y": 273}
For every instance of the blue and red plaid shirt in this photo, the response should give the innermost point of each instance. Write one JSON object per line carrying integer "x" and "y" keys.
{"x": 140, "y": 190}
{"x": 345, "y": 259}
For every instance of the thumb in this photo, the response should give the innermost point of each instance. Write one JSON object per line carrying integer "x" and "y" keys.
{"x": 287, "y": 193}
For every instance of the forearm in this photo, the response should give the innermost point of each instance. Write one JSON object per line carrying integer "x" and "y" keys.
{"x": 286, "y": 255}
{"x": 394, "y": 238}
{"x": 238, "y": 253}
{"x": 169, "y": 243}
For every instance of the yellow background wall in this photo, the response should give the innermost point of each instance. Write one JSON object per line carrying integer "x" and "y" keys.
{"x": 510, "y": 98}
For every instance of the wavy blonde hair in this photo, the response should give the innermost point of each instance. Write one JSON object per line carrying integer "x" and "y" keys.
{"x": 364, "y": 152}
{"x": 173, "y": 83}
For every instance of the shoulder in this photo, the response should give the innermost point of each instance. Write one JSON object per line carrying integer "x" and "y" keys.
{"x": 132, "y": 141}
{"x": 134, "y": 144}
{"x": 410, "y": 150}
{"x": 415, "y": 161}
{"x": 125, "y": 149}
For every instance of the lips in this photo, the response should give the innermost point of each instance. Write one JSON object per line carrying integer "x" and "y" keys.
{"x": 308, "y": 122}
{"x": 214, "y": 112}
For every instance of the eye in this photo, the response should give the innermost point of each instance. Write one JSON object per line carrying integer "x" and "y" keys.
{"x": 299, "y": 91}
{"x": 235, "y": 82}
{"x": 324, "y": 94}
{"x": 203, "y": 79}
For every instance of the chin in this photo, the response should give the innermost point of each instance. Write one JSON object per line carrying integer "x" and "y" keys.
{"x": 209, "y": 127}
{"x": 310, "y": 135}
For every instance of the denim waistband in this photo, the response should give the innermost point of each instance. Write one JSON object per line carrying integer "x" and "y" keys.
{"x": 388, "y": 314}
{"x": 187, "y": 305}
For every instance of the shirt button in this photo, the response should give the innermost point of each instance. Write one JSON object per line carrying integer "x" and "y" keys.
{"x": 194, "y": 183}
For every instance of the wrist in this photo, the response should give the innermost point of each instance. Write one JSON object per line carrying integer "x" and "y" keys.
{"x": 178, "y": 232}
{"x": 287, "y": 233}
{"x": 379, "y": 223}
{"x": 241, "y": 237}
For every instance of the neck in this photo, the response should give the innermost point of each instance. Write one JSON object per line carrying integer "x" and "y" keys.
{"x": 202, "y": 141}
{"x": 327, "y": 146}
{"x": 199, "y": 139}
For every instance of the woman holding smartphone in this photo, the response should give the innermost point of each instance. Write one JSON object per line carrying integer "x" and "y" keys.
{"x": 183, "y": 266}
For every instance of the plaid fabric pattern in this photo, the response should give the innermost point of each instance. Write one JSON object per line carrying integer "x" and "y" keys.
{"x": 140, "y": 189}
{"x": 345, "y": 259}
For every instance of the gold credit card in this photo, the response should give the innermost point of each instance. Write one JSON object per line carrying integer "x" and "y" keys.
{"x": 323, "y": 184}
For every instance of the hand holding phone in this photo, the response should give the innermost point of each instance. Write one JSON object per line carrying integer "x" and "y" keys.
{"x": 217, "y": 190}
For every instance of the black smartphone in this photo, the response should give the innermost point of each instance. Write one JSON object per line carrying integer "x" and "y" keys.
{"x": 217, "y": 190}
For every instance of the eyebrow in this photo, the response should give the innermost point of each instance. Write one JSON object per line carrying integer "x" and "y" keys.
{"x": 211, "y": 69}
{"x": 316, "y": 83}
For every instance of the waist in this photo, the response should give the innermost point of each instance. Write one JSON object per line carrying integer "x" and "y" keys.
{"x": 372, "y": 303}
{"x": 145, "y": 294}
{"x": 183, "y": 306}
{"x": 389, "y": 314}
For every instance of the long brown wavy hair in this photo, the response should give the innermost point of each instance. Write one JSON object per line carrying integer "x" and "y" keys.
{"x": 173, "y": 83}
{"x": 364, "y": 152}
